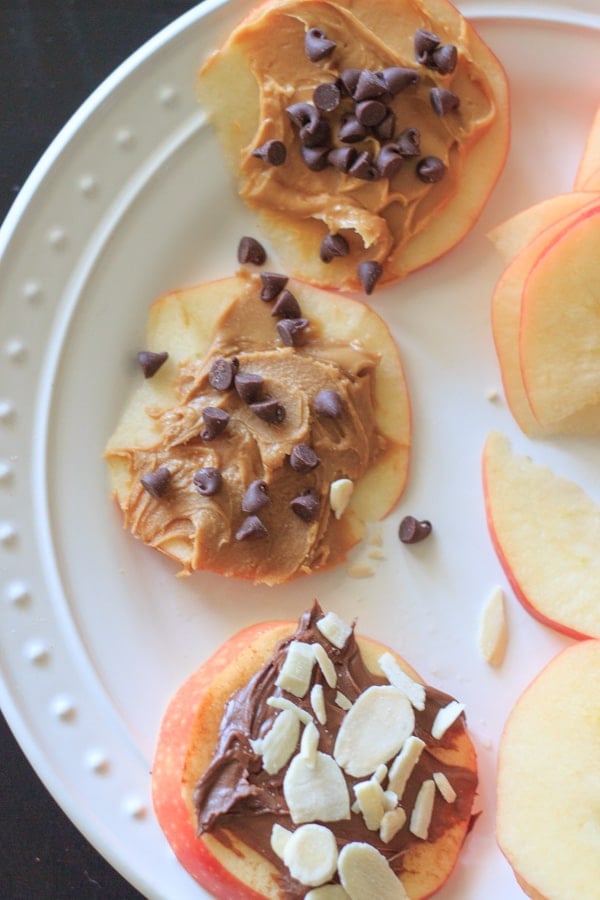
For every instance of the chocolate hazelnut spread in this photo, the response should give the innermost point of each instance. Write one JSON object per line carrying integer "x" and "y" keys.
{"x": 237, "y": 797}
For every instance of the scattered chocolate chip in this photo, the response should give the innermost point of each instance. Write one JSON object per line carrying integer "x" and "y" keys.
{"x": 256, "y": 496}
{"x": 157, "y": 482}
{"x": 444, "y": 59}
{"x": 389, "y": 160}
{"x": 271, "y": 285}
{"x": 306, "y": 505}
{"x": 386, "y": 128}
{"x": 370, "y": 112}
{"x": 291, "y": 331}
{"x": 303, "y": 459}
{"x": 222, "y": 372}
{"x": 412, "y": 530}
{"x": 348, "y": 79}
{"x": 329, "y": 403}
{"x": 408, "y": 142}
{"x": 369, "y": 86}
{"x": 327, "y": 96}
{"x": 250, "y": 529}
{"x": 398, "y": 78}
{"x": 271, "y": 411}
{"x": 286, "y": 306}
{"x": 248, "y": 386}
{"x": 151, "y": 362}
{"x": 443, "y": 101}
{"x": 315, "y": 158}
{"x": 208, "y": 481}
{"x": 425, "y": 42}
{"x": 333, "y": 245}
{"x": 272, "y": 152}
{"x": 250, "y": 251}
{"x": 315, "y": 134}
{"x": 363, "y": 167}
{"x": 215, "y": 422}
{"x": 341, "y": 158}
{"x": 351, "y": 131}
{"x": 431, "y": 169}
{"x": 369, "y": 273}
{"x": 316, "y": 45}
{"x": 302, "y": 114}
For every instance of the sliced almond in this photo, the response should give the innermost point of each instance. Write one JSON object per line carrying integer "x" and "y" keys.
{"x": 393, "y": 820}
{"x": 327, "y": 892}
{"x": 374, "y": 730}
{"x": 420, "y": 818}
{"x": 296, "y": 670}
{"x": 334, "y": 629}
{"x": 311, "y": 854}
{"x": 444, "y": 787}
{"x": 342, "y": 701}
{"x": 284, "y": 703}
{"x": 309, "y": 743}
{"x": 279, "y": 744}
{"x": 493, "y": 628}
{"x": 316, "y": 792}
{"x": 326, "y": 665}
{"x": 398, "y": 677}
{"x": 340, "y": 493}
{"x": 365, "y": 874}
{"x": 445, "y": 718}
{"x": 317, "y": 701}
{"x": 279, "y": 838}
{"x": 369, "y": 797}
{"x": 403, "y": 765}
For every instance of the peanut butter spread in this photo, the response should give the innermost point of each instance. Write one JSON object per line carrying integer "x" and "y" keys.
{"x": 248, "y": 464}
{"x": 445, "y": 108}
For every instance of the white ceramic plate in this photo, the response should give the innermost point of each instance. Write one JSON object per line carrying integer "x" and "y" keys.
{"x": 96, "y": 633}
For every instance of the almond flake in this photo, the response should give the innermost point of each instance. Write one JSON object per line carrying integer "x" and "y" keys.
{"x": 284, "y": 703}
{"x": 360, "y": 570}
{"x": 326, "y": 665}
{"x": 376, "y": 553}
{"x": 423, "y": 809}
{"x": 296, "y": 670}
{"x": 309, "y": 743}
{"x": 402, "y": 767}
{"x": 278, "y": 745}
{"x": 317, "y": 701}
{"x": 279, "y": 838}
{"x": 311, "y": 854}
{"x": 396, "y": 675}
{"x": 327, "y": 892}
{"x": 340, "y": 492}
{"x": 334, "y": 629}
{"x": 444, "y": 787}
{"x": 393, "y": 820}
{"x": 493, "y": 630}
{"x": 342, "y": 701}
{"x": 365, "y": 873}
{"x": 369, "y": 797}
{"x": 316, "y": 792}
{"x": 374, "y": 730}
{"x": 446, "y": 717}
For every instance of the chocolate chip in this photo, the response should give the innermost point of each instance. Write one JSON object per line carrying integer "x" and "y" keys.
{"x": 271, "y": 411}
{"x": 351, "y": 131}
{"x": 443, "y": 101}
{"x": 248, "y": 386}
{"x": 348, "y": 79}
{"x": 287, "y": 307}
{"x": 363, "y": 167}
{"x": 408, "y": 142}
{"x": 341, "y": 158}
{"x": 389, "y": 160}
{"x": 303, "y": 459}
{"x": 315, "y": 134}
{"x": 333, "y": 245}
{"x": 250, "y": 251}
{"x": 431, "y": 169}
{"x": 370, "y": 112}
{"x": 250, "y": 529}
{"x": 157, "y": 482}
{"x": 256, "y": 496}
{"x": 291, "y": 331}
{"x": 306, "y": 505}
{"x": 222, "y": 372}
{"x": 327, "y": 96}
{"x": 208, "y": 481}
{"x": 444, "y": 59}
{"x": 272, "y": 152}
{"x": 315, "y": 158}
{"x": 271, "y": 285}
{"x": 386, "y": 128}
{"x": 151, "y": 362}
{"x": 424, "y": 43}
{"x": 412, "y": 530}
{"x": 398, "y": 78}
{"x": 302, "y": 114}
{"x": 369, "y": 86}
{"x": 329, "y": 403}
{"x": 215, "y": 422}
{"x": 369, "y": 273}
{"x": 316, "y": 45}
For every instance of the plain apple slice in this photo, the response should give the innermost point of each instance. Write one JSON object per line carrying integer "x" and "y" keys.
{"x": 546, "y": 533}
{"x": 559, "y": 340}
{"x": 590, "y": 159}
{"x": 548, "y": 789}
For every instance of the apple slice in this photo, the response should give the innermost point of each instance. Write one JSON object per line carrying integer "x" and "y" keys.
{"x": 560, "y": 323}
{"x": 590, "y": 160}
{"x": 547, "y": 788}
{"x": 592, "y": 182}
{"x": 546, "y": 533}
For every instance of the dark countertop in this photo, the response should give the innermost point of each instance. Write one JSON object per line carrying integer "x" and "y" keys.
{"x": 53, "y": 53}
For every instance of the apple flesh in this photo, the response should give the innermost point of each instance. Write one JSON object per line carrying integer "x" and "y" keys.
{"x": 546, "y": 533}
{"x": 547, "y": 787}
{"x": 588, "y": 172}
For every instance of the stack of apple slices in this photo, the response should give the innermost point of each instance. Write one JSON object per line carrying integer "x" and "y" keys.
{"x": 546, "y": 307}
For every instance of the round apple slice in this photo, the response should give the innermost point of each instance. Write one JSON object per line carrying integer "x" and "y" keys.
{"x": 548, "y": 790}
{"x": 546, "y": 532}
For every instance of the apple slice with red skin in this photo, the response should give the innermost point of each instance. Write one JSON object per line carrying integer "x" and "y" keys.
{"x": 547, "y": 787}
{"x": 546, "y": 533}
{"x": 589, "y": 165}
